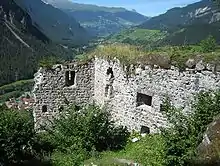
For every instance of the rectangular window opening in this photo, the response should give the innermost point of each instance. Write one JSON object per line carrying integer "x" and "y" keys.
{"x": 145, "y": 130}
{"x": 70, "y": 78}
{"x": 44, "y": 108}
{"x": 143, "y": 99}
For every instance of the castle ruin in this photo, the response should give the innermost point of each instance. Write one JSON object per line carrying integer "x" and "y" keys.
{"x": 134, "y": 99}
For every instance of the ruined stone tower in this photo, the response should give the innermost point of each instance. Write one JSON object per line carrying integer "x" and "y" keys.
{"x": 133, "y": 99}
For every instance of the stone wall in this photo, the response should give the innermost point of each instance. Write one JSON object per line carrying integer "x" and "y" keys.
{"x": 53, "y": 93}
{"x": 133, "y": 99}
{"x": 157, "y": 83}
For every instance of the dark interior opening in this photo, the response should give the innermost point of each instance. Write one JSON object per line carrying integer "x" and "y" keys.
{"x": 70, "y": 77}
{"x": 109, "y": 71}
{"x": 44, "y": 108}
{"x": 61, "y": 108}
{"x": 143, "y": 99}
{"x": 110, "y": 78}
{"x": 145, "y": 130}
{"x": 77, "y": 108}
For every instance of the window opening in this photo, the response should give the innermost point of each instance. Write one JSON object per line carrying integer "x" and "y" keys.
{"x": 44, "y": 108}
{"x": 143, "y": 99}
{"x": 109, "y": 82}
{"x": 70, "y": 78}
{"x": 61, "y": 109}
{"x": 145, "y": 130}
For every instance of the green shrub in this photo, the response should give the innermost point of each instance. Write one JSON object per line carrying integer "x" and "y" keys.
{"x": 179, "y": 55}
{"x": 19, "y": 142}
{"x": 178, "y": 138}
{"x": 206, "y": 107}
{"x": 84, "y": 131}
{"x": 186, "y": 130}
{"x": 16, "y": 135}
{"x": 209, "y": 44}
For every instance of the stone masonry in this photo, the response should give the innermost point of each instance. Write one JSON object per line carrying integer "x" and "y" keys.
{"x": 58, "y": 88}
{"x": 133, "y": 99}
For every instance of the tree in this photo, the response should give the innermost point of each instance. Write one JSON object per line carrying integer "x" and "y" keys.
{"x": 209, "y": 44}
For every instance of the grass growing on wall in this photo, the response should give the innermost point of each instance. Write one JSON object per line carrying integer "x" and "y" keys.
{"x": 127, "y": 54}
{"x": 161, "y": 56}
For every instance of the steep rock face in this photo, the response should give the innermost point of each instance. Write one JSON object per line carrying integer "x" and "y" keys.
{"x": 21, "y": 44}
{"x": 198, "y": 13}
{"x": 99, "y": 20}
{"x": 56, "y": 24}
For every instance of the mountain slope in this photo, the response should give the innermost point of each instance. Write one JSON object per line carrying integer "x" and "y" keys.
{"x": 98, "y": 20}
{"x": 187, "y": 25}
{"x": 56, "y": 24}
{"x": 200, "y": 12}
{"x": 22, "y": 44}
{"x": 192, "y": 34}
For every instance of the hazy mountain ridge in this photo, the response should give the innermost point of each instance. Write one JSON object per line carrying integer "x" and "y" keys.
{"x": 200, "y": 12}
{"x": 99, "y": 20}
{"x": 67, "y": 4}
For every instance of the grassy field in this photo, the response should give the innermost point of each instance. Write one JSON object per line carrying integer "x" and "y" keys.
{"x": 149, "y": 151}
{"x": 138, "y": 36}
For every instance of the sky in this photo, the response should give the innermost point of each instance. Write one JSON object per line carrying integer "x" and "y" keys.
{"x": 146, "y": 7}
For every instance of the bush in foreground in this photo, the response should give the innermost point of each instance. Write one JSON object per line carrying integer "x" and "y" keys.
{"x": 79, "y": 133}
{"x": 16, "y": 135}
{"x": 19, "y": 143}
{"x": 186, "y": 131}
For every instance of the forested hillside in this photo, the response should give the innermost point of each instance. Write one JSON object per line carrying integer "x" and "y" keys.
{"x": 192, "y": 34}
{"x": 22, "y": 45}
{"x": 54, "y": 23}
